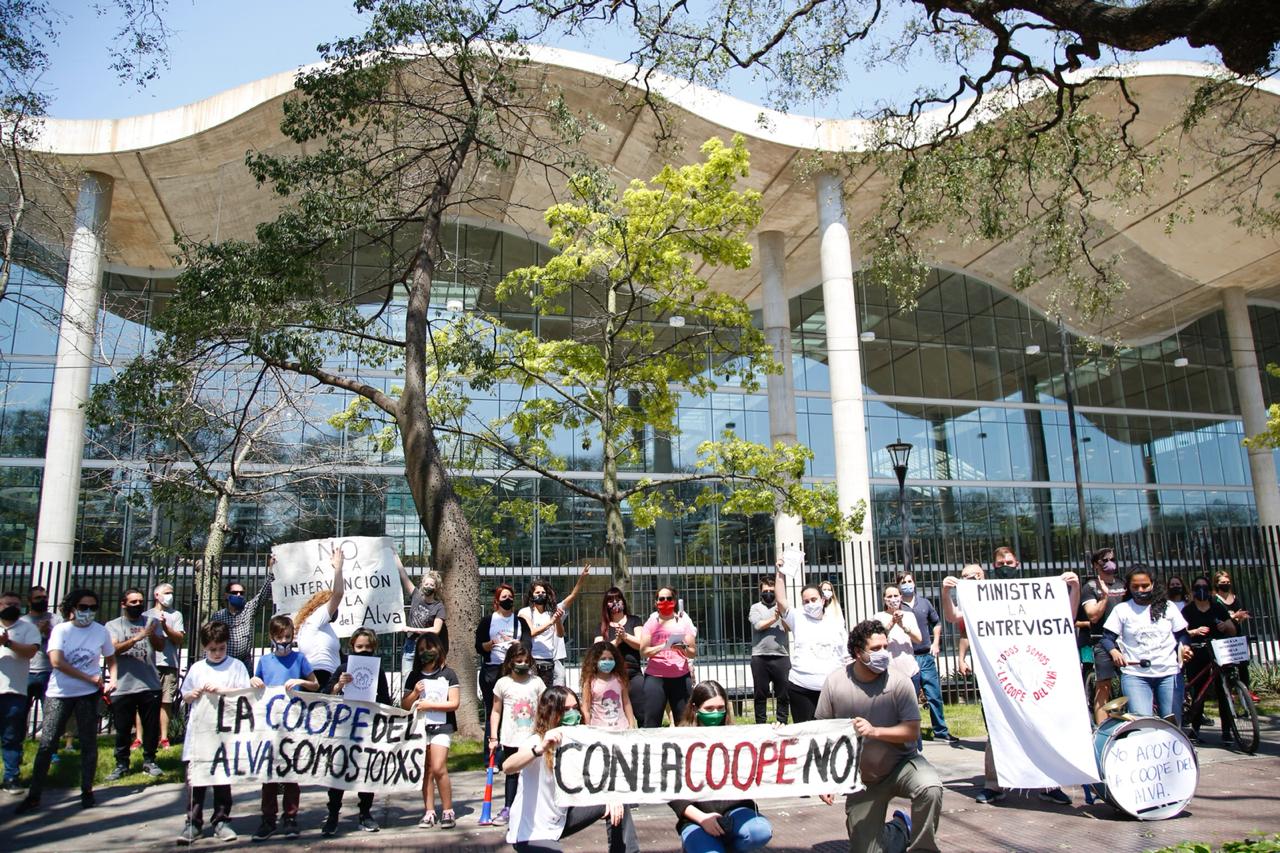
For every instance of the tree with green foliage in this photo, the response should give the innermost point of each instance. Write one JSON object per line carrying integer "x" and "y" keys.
{"x": 1269, "y": 437}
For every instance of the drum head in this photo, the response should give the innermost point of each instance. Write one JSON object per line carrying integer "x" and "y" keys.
{"x": 1148, "y": 766}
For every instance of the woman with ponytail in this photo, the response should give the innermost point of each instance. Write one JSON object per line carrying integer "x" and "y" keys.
{"x": 1147, "y": 640}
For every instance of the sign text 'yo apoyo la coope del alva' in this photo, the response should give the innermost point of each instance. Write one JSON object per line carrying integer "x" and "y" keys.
{"x": 251, "y": 737}
{"x": 374, "y": 597}
{"x": 706, "y": 763}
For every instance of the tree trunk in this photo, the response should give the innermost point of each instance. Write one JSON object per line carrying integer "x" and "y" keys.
{"x": 209, "y": 572}
{"x": 615, "y": 543}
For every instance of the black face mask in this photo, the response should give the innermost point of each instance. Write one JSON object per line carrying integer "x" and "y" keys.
{"x": 1004, "y": 573}
{"x": 768, "y": 598}
{"x": 133, "y": 611}
{"x": 540, "y": 600}
{"x": 1224, "y": 587}
{"x": 10, "y": 613}
{"x": 1176, "y": 592}
{"x": 1201, "y": 593}
{"x": 39, "y": 605}
{"x": 1143, "y": 597}
{"x": 505, "y": 603}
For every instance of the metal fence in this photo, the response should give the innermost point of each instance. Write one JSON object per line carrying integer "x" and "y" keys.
{"x": 718, "y": 597}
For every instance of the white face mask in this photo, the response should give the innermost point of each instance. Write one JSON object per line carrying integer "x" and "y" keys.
{"x": 877, "y": 661}
{"x": 827, "y": 594}
{"x": 813, "y": 609}
{"x": 166, "y": 600}
{"x": 893, "y": 602}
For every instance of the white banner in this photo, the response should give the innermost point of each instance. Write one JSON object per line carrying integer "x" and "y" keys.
{"x": 250, "y": 737}
{"x": 1151, "y": 772}
{"x": 1023, "y": 637}
{"x": 374, "y": 597}
{"x": 704, "y": 763}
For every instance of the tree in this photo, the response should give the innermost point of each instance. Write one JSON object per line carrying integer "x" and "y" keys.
{"x": 1269, "y": 437}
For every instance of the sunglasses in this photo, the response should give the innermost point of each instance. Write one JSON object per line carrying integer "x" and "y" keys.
{"x": 84, "y": 609}
{"x": 666, "y": 598}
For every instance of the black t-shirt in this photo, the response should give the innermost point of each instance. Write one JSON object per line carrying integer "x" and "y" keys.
{"x": 630, "y": 656}
{"x": 381, "y": 694}
{"x": 1210, "y": 618}
{"x": 440, "y": 682}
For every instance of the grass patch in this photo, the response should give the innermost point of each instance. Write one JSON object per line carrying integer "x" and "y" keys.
{"x": 963, "y": 721}
{"x": 466, "y": 755}
{"x": 65, "y": 772}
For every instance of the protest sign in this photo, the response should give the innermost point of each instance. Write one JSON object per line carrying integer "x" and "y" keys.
{"x": 1230, "y": 650}
{"x": 1151, "y": 773}
{"x": 703, "y": 763}
{"x": 1023, "y": 636}
{"x": 250, "y": 737}
{"x": 364, "y": 670}
{"x": 374, "y": 597}
{"x": 792, "y": 563}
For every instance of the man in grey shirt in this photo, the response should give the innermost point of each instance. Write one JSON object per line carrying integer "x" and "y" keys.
{"x": 136, "y": 638}
{"x": 770, "y": 654}
{"x": 882, "y": 706}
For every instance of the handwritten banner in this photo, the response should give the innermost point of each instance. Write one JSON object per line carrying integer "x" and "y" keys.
{"x": 703, "y": 763}
{"x": 1151, "y": 773}
{"x": 1023, "y": 637}
{"x": 374, "y": 597}
{"x": 250, "y": 737}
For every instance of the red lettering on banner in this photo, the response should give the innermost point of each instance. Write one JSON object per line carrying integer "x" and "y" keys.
{"x": 724, "y": 776}
{"x": 743, "y": 784}
{"x": 765, "y": 759}
{"x": 688, "y": 766}
{"x": 784, "y": 762}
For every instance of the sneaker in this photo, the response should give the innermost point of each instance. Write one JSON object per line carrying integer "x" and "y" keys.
{"x": 11, "y": 786}
{"x": 428, "y": 820}
{"x": 503, "y": 817}
{"x": 86, "y": 800}
{"x": 899, "y": 814}
{"x": 54, "y": 759}
{"x": 447, "y": 820}
{"x": 290, "y": 827}
{"x": 330, "y": 825}
{"x": 368, "y": 824}
{"x": 28, "y": 804}
{"x": 117, "y": 774}
{"x": 953, "y": 740}
{"x": 188, "y": 835}
{"x": 152, "y": 769}
{"x": 987, "y": 796}
{"x": 224, "y": 832}
{"x": 1055, "y": 795}
{"x": 266, "y": 829}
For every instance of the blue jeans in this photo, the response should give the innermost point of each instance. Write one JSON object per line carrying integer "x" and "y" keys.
{"x": 13, "y": 730}
{"x": 1151, "y": 696}
{"x": 933, "y": 695}
{"x": 748, "y": 830}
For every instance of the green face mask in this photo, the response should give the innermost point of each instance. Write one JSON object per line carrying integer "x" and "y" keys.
{"x": 711, "y": 718}
{"x": 571, "y": 717}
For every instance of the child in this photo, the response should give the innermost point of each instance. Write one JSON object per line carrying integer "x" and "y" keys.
{"x": 433, "y": 688}
{"x": 364, "y": 643}
{"x": 216, "y": 673}
{"x": 606, "y": 703}
{"x": 518, "y": 692}
{"x": 289, "y": 669}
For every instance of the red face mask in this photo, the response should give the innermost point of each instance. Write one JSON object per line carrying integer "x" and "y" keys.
{"x": 666, "y": 608}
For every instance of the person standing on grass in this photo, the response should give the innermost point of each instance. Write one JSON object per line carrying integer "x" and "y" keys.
{"x": 432, "y": 688}
{"x": 363, "y": 644}
{"x": 136, "y": 639}
{"x": 19, "y": 642}
{"x": 239, "y": 614}
{"x": 926, "y": 652}
{"x": 168, "y": 664}
{"x": 626, "y": 631}
{"x": 495, "y": 634}
{"x": 426, "y": 613}
{"x": 40, "y": 617}
{"x": 216, "y": 673}
{"x": 1147, "y": 641}
{"x": 76, "y": 648}
{"x": 818, "y": 646}
{"x": 770, "y": 655}
{"x": 515, "y": 704}
{"x": 545, "y": 617}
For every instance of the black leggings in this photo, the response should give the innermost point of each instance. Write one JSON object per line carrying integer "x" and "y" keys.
{"x": 513, "y": 779}
{"x": 622, "y": 838}
{"x": 804, "y": 703}
{"x": 660, "y": 692}
{"x": 770, "y": 671}
{"x": 489, "y": 675}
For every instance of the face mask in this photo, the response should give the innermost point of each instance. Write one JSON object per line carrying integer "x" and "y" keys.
{"x": 666, "y": 608}
{"x": 1176, "y": 592}
{"x": 606, "y": 666}
{"x": 1224, "y": 587}
{"x": 768, "y": 598}
{"x": 84, "y": 618}
{"x": 571, "y": 717}
{"x": 1200, "y": 593}
{"x": 10, "y": 613}
{"x": 540, "y": 600}
{"x": 133, "y": 611}
{"x": 827, "y": 594}
{"x": 428, "y": 590}
{"x": 813, "y": 609}
{"x": 1006, "y": 572}
{"x": 282, "y": 649}
{"x": 877, "y": 661}
{"x": 908, "y": 588}
{"x": 522, "y": 668}
{"x": 1109, "y": 567}
{"x": 1143, "y": 597}
{"x": 615, "y": 606}
{"x": 506, "y": 603}
{"x": 166, "y": 600}
{"x": 39, "y": 605}
{"x": 235, "y": 600}
{"x": 893, "y": 602}
{"x": 711, "y": 718}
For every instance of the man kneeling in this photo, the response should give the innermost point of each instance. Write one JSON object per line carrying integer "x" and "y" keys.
{"x": 882, "y": 705}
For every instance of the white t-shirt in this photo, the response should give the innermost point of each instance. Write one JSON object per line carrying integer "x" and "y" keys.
{"x": 83, "y": 648}
{"x": 535, "y": 815}
{"x": 903, "y": 660}
{"x": 1142, "y": 639}
{"x": 519, "y": 707}
{"x": 499, "y": 625}
{"x": 818, "y": 648}
{"x": 15, "y": 669}
{"x": 317, "y": 640}
{"x": 544, "y": 645}
{"x": 229, "y": 674}
{"x": 173, "y": 618}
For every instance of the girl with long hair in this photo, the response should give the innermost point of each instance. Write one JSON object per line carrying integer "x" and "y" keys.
{"x": 316, "y": 638}
{"x": 545, "y": 616}
{"x": 495, "y": 634}
{"x": 515, "y": 702}
{"x": 432, "y": 689}
{"x": 1207, "y": 619}
{"x": 606, "y": 702}
{"x": 1146, "y": 639}
{"x": 818, "y": 646}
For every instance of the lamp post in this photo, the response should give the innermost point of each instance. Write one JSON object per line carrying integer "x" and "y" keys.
{"x": 899, "y": 453}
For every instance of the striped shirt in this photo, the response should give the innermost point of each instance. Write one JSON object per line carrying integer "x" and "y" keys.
{"x": 240, "y": 644}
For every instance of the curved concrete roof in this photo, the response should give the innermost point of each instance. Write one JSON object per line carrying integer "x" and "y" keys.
{"x": 182, "y": 170}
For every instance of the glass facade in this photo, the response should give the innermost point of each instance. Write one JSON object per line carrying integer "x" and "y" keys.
{"x": 970, "y": 376}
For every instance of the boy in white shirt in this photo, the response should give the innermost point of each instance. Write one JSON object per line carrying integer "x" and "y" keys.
{"x": 215, "y": 673}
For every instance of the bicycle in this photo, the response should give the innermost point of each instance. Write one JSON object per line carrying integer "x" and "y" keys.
{"x": 1237, "y": 713}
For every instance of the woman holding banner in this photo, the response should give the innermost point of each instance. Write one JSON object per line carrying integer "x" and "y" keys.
{"x": 1146, "y": 639}
{"x": 818, "y": 646}
{"x": 316, "y": 638}
{"x": 669, "y": 644}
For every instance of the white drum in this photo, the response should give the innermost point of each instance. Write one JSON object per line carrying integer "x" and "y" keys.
{"x": 1148, "y": 766}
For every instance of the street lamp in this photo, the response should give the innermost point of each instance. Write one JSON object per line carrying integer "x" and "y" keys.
{"x": 899, "y": 453}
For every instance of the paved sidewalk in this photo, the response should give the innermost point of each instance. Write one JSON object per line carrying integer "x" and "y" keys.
{"x": 1238, "y": 795}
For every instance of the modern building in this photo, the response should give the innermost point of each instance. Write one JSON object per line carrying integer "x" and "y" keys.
{"x": 973, "y": 377}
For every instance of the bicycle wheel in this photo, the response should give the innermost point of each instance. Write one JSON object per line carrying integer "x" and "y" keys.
{"x": 1243, "y": 716}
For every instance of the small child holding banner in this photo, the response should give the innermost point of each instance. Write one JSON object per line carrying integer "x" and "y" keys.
{"x": 216, "y": 673}
{"x": 364, "y": 644}
{"x": 433, "y": 688}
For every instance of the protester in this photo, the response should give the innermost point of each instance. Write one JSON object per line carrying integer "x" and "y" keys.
{"x": 317, "y": 640}
{"x": 904, "y": 634}
{"x": 1207, "y": 619}
{"x": 290, "y": 669}
{"x": 42, "y": 619}
{"x": 545, "y": 617}
{"x": 1098, "y": 598}
{"x": 817, "y": 648}
{"x": 19, "y": 642}
{"x": 433, "y": 688}
{"x": 831, "y": 604}
{"x": 1226, "y": 593}
{"x": 495, "y": 634}
{"x": 770, "y": 655}
{"x": 363, "y": 644}
{"x": 239, "y": 614}
{"x": 606, "y": 700}
{"x": 670, "y": 642}
{"x": 717, "y": 826}
{"x": 926, "y": 653}
{"x": 951, "y": 612}
{"x": 1175, "y": 589}
{"x": 1004, "y": 564}
{"x": 426, "y": 613}
{"x": 884, "y": 713}
{"x": 626, "y": 631}
{"x": 76, "y": 645}
{"x": 169, "y": 663}
{"x": 216, "y": 673}
{"x": 136, "y": 639}
{"x": 537, "y": 823}
{"x": 1145, "y": 639}
{"x": 515, "y": 705}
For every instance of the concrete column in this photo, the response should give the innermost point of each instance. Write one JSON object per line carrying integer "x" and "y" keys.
{"x": 64, "y": 452}
{"x": 844, "y": 367}
{"x": 1244, "y": 359}
{"x": 787, "y": 529}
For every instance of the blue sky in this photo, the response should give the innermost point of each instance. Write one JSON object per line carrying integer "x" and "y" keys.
{"x": 220, "y": 44}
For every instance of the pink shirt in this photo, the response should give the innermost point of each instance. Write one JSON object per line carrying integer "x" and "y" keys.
{"x": 606, "y": 704}
{"x": 669, "y": 663}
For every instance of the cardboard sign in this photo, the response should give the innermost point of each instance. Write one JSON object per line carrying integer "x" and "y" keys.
{"x": 374, "y": 596}
{"x": 1231, "y": 650}
{"x": 364, "y": 670}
